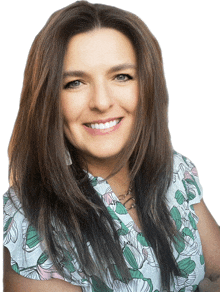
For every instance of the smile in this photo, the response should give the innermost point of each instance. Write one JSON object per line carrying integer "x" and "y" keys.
{"x": 103, "y": 126}
{"x": 98, "y": 128}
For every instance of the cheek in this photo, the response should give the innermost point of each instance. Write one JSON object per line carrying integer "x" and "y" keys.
{"x": 71, "y": 109}
{"x": 130, "y": 99}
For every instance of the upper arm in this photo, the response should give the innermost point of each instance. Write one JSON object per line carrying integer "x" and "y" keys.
{"x": 210, "y": 237}
{"x": 13, "y": 282}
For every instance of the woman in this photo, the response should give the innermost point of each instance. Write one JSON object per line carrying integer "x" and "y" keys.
{"x": 99, "y": 200}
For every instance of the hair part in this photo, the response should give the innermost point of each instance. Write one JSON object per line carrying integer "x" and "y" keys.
{"x": 54, "y": 195}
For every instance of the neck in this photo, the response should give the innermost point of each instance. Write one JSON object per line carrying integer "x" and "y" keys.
{"x": 119, "y": 182}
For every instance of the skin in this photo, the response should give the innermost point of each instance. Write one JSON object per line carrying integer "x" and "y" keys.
{"x": 103, "y": 90}
{"x": 210, "y": 237}
{"x": 98, "y": 94}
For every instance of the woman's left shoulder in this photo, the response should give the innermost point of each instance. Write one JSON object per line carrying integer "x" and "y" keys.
{"x": 185, "y": 185}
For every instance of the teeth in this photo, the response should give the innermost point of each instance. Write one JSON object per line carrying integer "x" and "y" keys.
{"x": 104, "y": 126}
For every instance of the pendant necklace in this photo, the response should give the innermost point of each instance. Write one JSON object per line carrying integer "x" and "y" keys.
{"x": 123, "y": 197}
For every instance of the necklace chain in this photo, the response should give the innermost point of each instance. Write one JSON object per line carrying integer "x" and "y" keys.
{"x": 123, "y": 197}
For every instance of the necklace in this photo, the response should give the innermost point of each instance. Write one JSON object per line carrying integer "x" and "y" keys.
{"x": 123, "y": 197}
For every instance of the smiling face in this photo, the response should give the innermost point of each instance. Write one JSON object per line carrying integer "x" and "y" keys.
{"x": 100, "y": 93}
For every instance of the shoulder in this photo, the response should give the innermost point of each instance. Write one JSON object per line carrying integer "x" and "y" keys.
{"x": 20, "y": 238}
{"x": 184, "y": 192}
{"x": 185, "y": 183}
{"x": 13, "y": 216}
{"x": 11, "y": 202}
{"x": 183, "y": 165}
{"x": 27, "y": 251}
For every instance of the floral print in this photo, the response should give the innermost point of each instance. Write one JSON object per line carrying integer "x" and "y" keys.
{"x": 29, "y": 259}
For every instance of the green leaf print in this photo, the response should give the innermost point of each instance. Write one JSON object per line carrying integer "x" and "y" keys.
{"x": 179, "y": 197}
{"x": 185, "y": 159}
{"x": 187, "y": 232}
{"x": 192, "y": 221}
{"x": 136, "y": 274}
{"x": 7, "y": 225}
{"x": 130, "y": 257}
{"x": 142, "y": 240}
{"x": 94, "y": 181}
{"x": 16, "y": 268}
{"x": 113, "y": 215}
{"x": 42, "y": 258}
{"x": 179, "y": 245}
{"x": 120, "y": 209}
{"x": 32, "y": 238}
{"x": 5, "y": 200}
{"x": 124, "y": 229}
{"x": 195, "y": 287}
{"x": 176, "y": 217}
{"x": 186, "y": 266}
{"x": 150, "y": 284}
{"x": 99, "y": 286}
{"x": 190, "y": 195}
{"x": 193, "y": 182}
{"x": 67, "y": 262}
{"x": 202, "y": 260}
{"x": 118, "y": 274}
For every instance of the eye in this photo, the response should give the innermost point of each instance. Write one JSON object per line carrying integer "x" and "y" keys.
{"x": 123, "y": 77}
{"x": 73, "y": 84}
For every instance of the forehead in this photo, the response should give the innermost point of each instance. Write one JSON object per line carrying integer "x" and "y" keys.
{"x": 99, "y": 48}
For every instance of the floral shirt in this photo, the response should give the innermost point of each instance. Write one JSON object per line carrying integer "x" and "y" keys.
{"x": 29, "y": 259}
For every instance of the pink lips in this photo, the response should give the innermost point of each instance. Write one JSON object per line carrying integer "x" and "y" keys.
{"x": 95, "y": 132}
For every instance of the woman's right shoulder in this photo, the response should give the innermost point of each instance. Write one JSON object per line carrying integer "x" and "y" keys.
{"x": 11, "y": 203}
{"x": 26, "y": 266}
{"x": 13, "y": 282}
{"x": 13, "y": 215}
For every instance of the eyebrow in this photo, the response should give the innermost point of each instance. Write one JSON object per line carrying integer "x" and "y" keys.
{"x": 122, "y": 67}
{"x": 80, "y": 73}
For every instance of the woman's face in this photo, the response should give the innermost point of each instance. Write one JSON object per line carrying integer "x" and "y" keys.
{"x": 100, "y": 92}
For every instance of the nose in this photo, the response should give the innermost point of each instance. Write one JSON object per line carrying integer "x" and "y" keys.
{"x": 101, "y": 97}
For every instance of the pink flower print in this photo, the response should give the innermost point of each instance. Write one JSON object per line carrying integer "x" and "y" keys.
{"x": 50, "y": 272}
{"x": 145, "y": 252}
{"x": 108, "y": 198}
{"x": 136, "y": 228}
{"x": 194, "y": 171}
{"x": 82, "y": 275}
{"x": 187, "y": 175}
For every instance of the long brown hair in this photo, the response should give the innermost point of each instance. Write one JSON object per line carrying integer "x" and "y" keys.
{"x": 56, "y": 196}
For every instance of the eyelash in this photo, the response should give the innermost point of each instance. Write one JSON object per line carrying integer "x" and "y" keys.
{"x": 70, "y": 84}
{"x": 128, "y": 77}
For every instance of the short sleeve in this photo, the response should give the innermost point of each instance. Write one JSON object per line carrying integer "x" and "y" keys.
{"x": 21, "y": 239}
{"x": 28, "y": 255}
{"x": 185, "y": 190}
{"x": 185, "y": 176}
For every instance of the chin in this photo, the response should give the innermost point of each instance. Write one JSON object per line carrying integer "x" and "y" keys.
{"x": 103, "y": 155}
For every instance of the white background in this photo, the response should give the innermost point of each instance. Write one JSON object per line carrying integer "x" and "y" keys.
{"x": 188, "y": 32}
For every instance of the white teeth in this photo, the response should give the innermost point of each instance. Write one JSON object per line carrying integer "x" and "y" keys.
{"x": 102, "y": 126}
